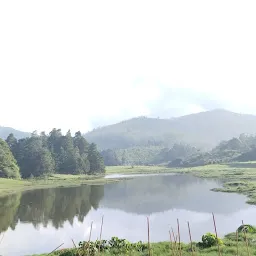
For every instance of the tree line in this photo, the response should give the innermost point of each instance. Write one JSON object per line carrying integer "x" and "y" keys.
{"x": 40, "y": 155}
{"x": 240, "y": 149}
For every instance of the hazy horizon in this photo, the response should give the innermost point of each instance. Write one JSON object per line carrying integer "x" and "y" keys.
{"x": 88, "y": 64}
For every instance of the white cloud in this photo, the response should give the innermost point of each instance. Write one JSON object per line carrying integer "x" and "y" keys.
{"x": 71, "y": 64}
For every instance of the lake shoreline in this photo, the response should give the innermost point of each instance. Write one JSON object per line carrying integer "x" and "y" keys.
{"x": 237, "y": 177}
{"x": 240, "y": 180}
{"x": 11, "y": 186}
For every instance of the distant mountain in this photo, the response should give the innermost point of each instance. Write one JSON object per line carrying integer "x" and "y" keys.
{"x": 205, "y": 129}
{"x": 5, "y": 131}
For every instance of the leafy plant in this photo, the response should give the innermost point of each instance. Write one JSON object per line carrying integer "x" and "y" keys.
{"x": 247, "y": 229}
{"x": 209, "y": 240}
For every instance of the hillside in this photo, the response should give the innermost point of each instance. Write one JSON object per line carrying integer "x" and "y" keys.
{"x": 5, "y": 131}
{"x": 205, "y": 129}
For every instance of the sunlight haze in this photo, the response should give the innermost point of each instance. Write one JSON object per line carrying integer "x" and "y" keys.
{"x": 84, "y": 64}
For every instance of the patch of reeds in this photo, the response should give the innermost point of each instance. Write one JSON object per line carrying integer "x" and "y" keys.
{"x": 176, "y": 248}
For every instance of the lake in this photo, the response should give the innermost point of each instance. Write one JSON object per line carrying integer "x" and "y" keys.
{"x": 38, "y": 221}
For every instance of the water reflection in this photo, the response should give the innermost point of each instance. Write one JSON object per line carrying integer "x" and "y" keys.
{"x": 54, "y": 206}
{"x": 148, "y": 195}
{"x": 38, "y": 221}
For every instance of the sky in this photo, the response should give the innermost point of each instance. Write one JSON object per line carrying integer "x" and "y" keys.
{"x": 84, "y": 64}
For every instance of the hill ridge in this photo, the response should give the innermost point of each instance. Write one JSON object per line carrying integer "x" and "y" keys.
{"x": 203, "y": 129}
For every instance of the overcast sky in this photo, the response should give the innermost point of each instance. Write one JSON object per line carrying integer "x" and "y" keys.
{"x": 80, "y": 64}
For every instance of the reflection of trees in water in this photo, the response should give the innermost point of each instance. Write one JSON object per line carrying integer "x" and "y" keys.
{"x": 8, "y": 209}
{"x": 56, "y": 205}
{"x": 147, "y": 195}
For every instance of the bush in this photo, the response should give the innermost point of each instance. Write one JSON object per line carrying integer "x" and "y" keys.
{"x": 247, "y": 229}
{"x": 209, "y": 240}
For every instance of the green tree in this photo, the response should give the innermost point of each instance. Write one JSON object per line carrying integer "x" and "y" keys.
{"x": 12, "y": 143}
{"x": 110, "y": 157}
{"x": 69, "y": 157}
{"x": 8, "y": 164}
{"x": 95, "y": 159}
{"x": 81, "y": 143}
{"x": 34, "y": 159}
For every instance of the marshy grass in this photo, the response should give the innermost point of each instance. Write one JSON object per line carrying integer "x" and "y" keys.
{"x": 137, "y": 169}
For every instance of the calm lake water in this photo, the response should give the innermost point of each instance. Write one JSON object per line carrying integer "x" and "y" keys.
{"x": 38, "y": 221}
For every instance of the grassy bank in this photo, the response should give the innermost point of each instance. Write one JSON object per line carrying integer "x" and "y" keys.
{"x": 10, "y": 186}
{"x": 137, "y": 169}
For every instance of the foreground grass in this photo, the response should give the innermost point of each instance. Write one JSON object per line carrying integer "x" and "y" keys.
{"x": 229, "y": 248}
{"x": 10, "y": 186}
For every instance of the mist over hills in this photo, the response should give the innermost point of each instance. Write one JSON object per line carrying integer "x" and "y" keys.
{"x": 195, "y": 138}
{"x": 204, "y": 129}
{"x": 5, "y": 131}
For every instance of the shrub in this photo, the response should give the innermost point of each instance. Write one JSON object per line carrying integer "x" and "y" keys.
{"x": 209, "y": 240}
{"x": 247, "y": 229}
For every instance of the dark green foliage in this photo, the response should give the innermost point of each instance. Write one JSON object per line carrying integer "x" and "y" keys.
{"x": 240, "y": 149}
{"x": 12, "y": 142}
{"x": 34, "y": 159}
{"x": 114, "y": 246}
{"x": 8, "y": 164}
{"x": 43, "y": 155}
{"x": 209, "y": 240}
{"x": 177, "y": 151}
{"x": 110, "y": 157}
{"x": 247, "y": 229}
{"x": 95, "y": 159}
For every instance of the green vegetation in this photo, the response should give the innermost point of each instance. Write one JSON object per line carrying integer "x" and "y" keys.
{"x": 133, "y": 143}
{"x": 240, "y": 243}
{"x": 8, "y": 165}
{"x": 11, "y": 186}
{"x": 137, "y": 169}
{"x": 240, "y": 149}
{"x": 42, "y": 155}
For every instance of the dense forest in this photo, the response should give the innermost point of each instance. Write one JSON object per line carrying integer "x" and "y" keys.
{"x": 151, "y": 155}
{"x": 40, "y": 155}
{"x": 240, "y": 149}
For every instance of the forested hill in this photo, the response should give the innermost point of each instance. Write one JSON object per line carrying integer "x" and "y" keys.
{"x": 205, "y": 129}
{"x": 5, "y": 131}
